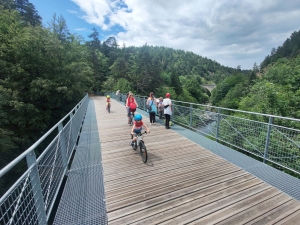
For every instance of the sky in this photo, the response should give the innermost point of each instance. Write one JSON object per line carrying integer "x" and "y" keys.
{"x": 231, "y": 32}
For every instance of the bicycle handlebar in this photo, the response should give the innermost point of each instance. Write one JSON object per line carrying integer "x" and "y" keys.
{"x": 145, "y": 132}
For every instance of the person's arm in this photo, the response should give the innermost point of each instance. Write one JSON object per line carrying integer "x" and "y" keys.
{"x": 146, "y": 128}
{"x": 126, "y": 102}
{"x": 170, "y": 103}
{"x": 132, "y": 129}
{"x": 147, "y": 101}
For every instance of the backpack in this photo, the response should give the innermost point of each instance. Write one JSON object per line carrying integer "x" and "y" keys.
{"x": 132, "y": 106}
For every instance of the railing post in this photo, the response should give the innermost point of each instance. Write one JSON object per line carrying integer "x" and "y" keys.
{"x": 191, "y": 116}
{"x": 63, "y": 150}
{"x": 36, "y": 188}
{"x": 268, "y": 138}
{"x": 72, "y": 114}
{"x": 218, "y": 125}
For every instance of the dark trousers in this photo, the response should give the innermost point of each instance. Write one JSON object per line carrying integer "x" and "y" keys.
{"x": 167, "y": 116}
{"x": 152, "y": 117}
{"x": 160, "y": 114}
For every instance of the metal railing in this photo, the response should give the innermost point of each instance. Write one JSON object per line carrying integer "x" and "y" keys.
{"x": 31, "y": 198}
{"x": 272, "y": 138}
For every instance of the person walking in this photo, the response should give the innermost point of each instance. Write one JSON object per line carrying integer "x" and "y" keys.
{"x": 151, "y": 108}
{"x": 167, "y": 103}
{"x": 160, "y": 107}
{"x": 117, "y": 95}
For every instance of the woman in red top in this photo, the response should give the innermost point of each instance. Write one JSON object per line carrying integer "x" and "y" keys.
{"x": 131, "y": 104}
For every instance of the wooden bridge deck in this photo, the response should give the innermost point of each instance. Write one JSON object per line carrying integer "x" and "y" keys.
{"x": 182, "y": 182}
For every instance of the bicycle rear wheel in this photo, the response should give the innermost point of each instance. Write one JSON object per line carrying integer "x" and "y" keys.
{"x": 143, "y": 152}
{"x": 131, "y": 119}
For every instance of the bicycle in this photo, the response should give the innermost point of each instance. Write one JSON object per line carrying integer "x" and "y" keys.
{"x": 108, "y": 107}
{"x": 131, "y": 116}
{"x": 139, "y": 142}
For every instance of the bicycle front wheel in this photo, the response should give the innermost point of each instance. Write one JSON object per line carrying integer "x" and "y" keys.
{"x": 143, "y": 152}
{"x": 134, "y": 146}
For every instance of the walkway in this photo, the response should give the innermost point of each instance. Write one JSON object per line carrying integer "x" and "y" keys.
{"x": 182, "y": 182}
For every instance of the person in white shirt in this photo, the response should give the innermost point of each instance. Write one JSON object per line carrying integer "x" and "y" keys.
{"x": 117, "y": 95}
{"x": 167, "y": 110}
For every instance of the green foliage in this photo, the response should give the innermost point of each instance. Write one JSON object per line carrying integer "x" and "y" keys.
{"x": 289, "y": 49}
{"x": 123, "y": 85}
{"x": 161, "y": 92}
{"x": 219, "y": 93}
{"x": 277, "y": 92}
{"x": 26, "y": 10}
{"x": 186, "y": 96}
{"x": 42, "y": 76}
{"x": 175, "y": 82}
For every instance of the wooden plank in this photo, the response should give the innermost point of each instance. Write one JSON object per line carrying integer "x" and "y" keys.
{"x": 292, "y": 219}
{"x": 255, "y": 194}
{"x": 277, "y": 214}
{"x": 244, "y": 211}
{"x": 178, "y": 202}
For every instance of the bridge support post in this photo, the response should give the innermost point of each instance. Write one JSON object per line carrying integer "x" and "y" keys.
{"x": 268, "y": 138}
{"x": 37, "y": 189}
{"x": 191, "y": 116}
{"x": 218, "y": 125}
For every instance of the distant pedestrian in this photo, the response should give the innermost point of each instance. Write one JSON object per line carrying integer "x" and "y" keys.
{"x": 117, "y": 95}
{"x": 167, "y": 110}
{"x": 160, "y": 107}
{"x": 151, "y": 108}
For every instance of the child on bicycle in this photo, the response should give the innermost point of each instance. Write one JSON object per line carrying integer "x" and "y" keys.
{"x": 137, "y": 128}
{"x": 107, "y": 101}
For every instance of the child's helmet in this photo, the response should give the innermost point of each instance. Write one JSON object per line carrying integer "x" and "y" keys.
{"x": 138, "y": 117}
{"x": 168, "y": 95}
{"x": 107, "y": 96}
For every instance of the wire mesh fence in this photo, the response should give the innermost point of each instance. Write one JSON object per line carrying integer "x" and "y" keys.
{"x": 31, "y": 198}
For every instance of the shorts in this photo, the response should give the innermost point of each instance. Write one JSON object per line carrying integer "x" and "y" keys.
{"x": 136, "y": 132}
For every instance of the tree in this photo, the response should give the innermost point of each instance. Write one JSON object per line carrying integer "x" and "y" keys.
{"x": 175, "y": 82}
{"x": 26, "y": 10}
{"x": 100, "y": 63}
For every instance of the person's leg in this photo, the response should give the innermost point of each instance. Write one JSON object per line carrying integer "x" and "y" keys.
{"x": 133, "y": 139}
{"x": 152, "y": 117}
{"x": 128, "y": 115}
{"x": 167, "y": 116}
{"x": 154, "y": 114}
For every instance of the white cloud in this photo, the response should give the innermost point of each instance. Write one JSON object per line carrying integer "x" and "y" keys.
{"x": 80, "y": 29}
{"x": 72, "y": 11}
{"x": 232, "y": 32}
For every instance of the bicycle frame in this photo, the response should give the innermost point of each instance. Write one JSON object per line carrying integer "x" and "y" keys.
{"x": 139, "y": 139}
